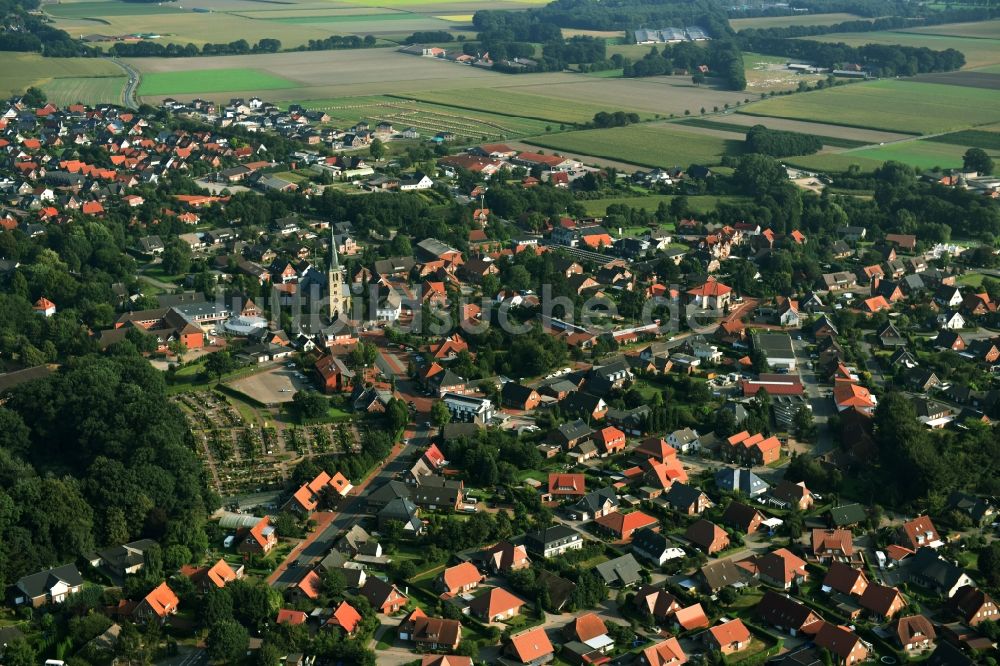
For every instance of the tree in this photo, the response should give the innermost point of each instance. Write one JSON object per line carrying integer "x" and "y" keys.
{"x": 216, "y": 606}
{"x": 34, "y": 97}
{"x": 376, "y": 149}
{"x": 976, "y": 159}
{"x": 440, "y": 414}
{"x": 805, "y": 426}
{"x": 176, "y": 258}
{"x": 989, "y": 563}
{"x": 219, "y": 363}
{"x": 756, "y": 174}
{"x": 310, "y": 404}
{"x": 227, "y": 641}
{"x": 19, "y": 653}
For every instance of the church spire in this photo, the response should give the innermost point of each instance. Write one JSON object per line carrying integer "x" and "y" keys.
{"x": 334, "y": 260}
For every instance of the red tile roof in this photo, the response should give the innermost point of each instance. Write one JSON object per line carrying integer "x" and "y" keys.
{"x": 289, "y": 616}
{"x": 346, "y": 617}
{"x": 162, "y": 600}
{"x": 531, "y": 645}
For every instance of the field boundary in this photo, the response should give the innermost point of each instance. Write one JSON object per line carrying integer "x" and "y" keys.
{"x": 830, "y": 122}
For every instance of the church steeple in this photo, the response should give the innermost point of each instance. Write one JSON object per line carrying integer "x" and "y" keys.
{"x": 335, "y": 281}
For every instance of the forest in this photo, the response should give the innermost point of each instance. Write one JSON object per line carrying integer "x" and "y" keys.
{"x": 95, "y": 455}
{"x": 780, "y": 143}
{"x": 880, "y": 60}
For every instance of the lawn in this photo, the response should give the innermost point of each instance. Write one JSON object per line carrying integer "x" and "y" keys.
{"x": 699, "y": 204}
{"x": 210, "y": 81}
{"x": 900, "y": 106}
{"x": 88, "y": 90}
{"x": 974, "y": 280}
{"x": 526, "y": 105}
{"x": 921, "y": 154}
{"x": 651, "y": 145}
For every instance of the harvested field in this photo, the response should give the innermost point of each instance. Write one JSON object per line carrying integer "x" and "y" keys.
{"x": 87, "y": 90}
{"x": 510, "y": 102}
{"x": 798, "y": 19}
{"x": 987, "y": 80}
{"x": 893, "y": 105}
{"x": 651, "y": 145}
{"x": 210, "y": 81}
{"x": 978, "y": 52}
{"x": 654, "y": 95}
{"x": 603, "y": 34}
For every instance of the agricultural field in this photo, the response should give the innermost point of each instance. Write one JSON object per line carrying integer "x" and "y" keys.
{"x": 509, "y": 102}
{"x": 650, "y": 145}
{"x": 986, "y": 138}
{"x": 978, "y": 30}
{"x": 864, "y": 136}
{"x": 210, "y": 81}
{"x": 720, "y": 126}
{"x": 922, "y": 154}
{"x": 893, "y": 105}
{"x": 428, "y": 119}
{"x": 978, "y": 52}
{"x": 23, "y": 70}
{"x": 832, "y": 18}
{"x": 90, "y": 90}
{"x": 832, "y": 162}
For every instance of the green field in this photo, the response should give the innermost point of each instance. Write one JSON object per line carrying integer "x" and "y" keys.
{"x": 210, "y": 81}
{"x": 23, "y": 70}
{"x": 798, "y": 19}
{"x": 102, "y": 9}
{"x": 921, "y": 154}
{"x": 832, "y": 162}
{"x": 521, "y": 104}
{"x": 977, "y": 138}
{"x": 699, "y": 204}
{"x": 978, "y": 52}
{"x": 88, "y": 90}
{"x": 893, "y": 105}
{"x": 426, "y": 118}
{"x": 651, "y": 145}
{"x": 351, "y": 18}
{"x": 978, "y": 30}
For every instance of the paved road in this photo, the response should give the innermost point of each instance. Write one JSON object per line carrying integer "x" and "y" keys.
{"x": 819, "y": 398}
{"x": 351, "y": 511}
{"x": 129, "y": 98}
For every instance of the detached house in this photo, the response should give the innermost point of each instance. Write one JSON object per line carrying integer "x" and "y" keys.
{"x": 919, "y": 532}
{"x": 496, "y": 605}
{"x": 707, "y": 536}
{"x": 459, "y": 579}
{"x": 729, "y": 637}
{"x": 157, "y": 605}
{"x": 782, "y": 568}
{"x": 260, "y": 538}
{"x": 882, "y": 601}
{"x": 52, "y": 586}
{"x": 846, "y": 646}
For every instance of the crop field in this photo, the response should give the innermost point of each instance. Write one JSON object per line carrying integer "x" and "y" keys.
{"x": 88, "y": 90}
{"x": 22, "y": 70}
{"x": 210, "y": 81}
{"x": 979, "y": 30}
{"x": 967, "y": 78}
{"x": 509, "y": 102}
{"x": 902, "y": 106}
{"x": 428, "y": 119}
{"x": 798, "y": 19}
{"x": 921, "y": 154}
{"x": 651, "y": 145}
{"x": 979, "y": 138}
{"x": 832, "y": 162}
{"x": 864, "y": 136}
{"x": 978, "y": 52}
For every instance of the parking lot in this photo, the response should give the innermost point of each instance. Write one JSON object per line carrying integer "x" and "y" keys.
{"x": 276, "y": 385}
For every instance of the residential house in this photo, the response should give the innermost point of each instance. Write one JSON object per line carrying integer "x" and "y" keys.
{"x": 430, "y": 633}
{"x": 384, "y": 597}
{"x": 737, "y": 479}
{"x": 552, "y": 541}
{"x": 567, "y": 485}
{"x": 496, "y": 605}
{"x": 158, "y": 605}
{"x": 926, "y": 569}
{"x": 882, "y": 601}
{"x": 914, "y": 633}
{"x": 518, "y": 396}
{"x": 846, "y": 646}
{"x": 787, "y": 614}
{"x": 459, "y": 579}
{"x": 590, "y": 630}
{"x": 216, "y": 576}
{"x": 610, "y": 440}
{"x": 707, "y": 536}
{"x": 346, "y": 617}
{"x": 624, "y": 571}
{"x": 742, "y": 518}
{"x": 505, "y": 557}
{"x": 685, "y": 499}
{"x": 259, "y": 539}
{"x": 650, "y": 545}
{"x": 793, "y": 494}
{"x": 834, "y": 545}
{"x": 843, "y": 578}
{"x": 531, "y": 647}
{"x": 723, "y": 573}
{"x": 595, "y": 504}
{"x": 665, "y": 653}
{"x": 782, "y": 568}
{"x": 691, "y": 617}
{"x": 657, "y": 602}
{"x": 729, "y": 637}
{"x": 918, "y": 533}
{"x": 973, "y": 606}
{"x": 52, "y": 586}
{"x": 621, "y": 525}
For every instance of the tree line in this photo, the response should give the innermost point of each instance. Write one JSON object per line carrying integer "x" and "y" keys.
{"x": 148, "y": 49}
{"x": 781, "y": 143}
{"x": 722, "y": 57}
{"x": 883, "y": 60}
